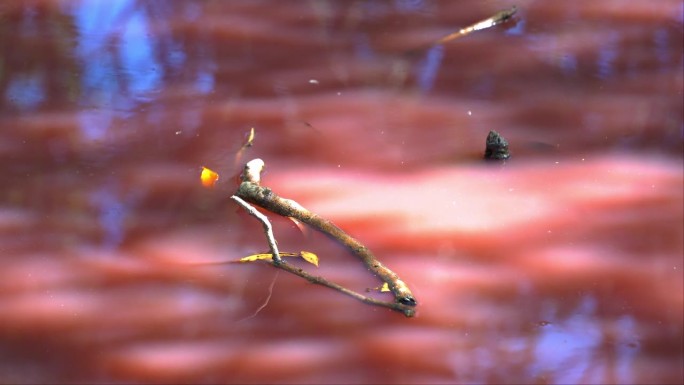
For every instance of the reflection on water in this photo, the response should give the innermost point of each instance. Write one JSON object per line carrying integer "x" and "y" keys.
{"x": 578, "y": 335}
{"x": 561, "y": 266}
{"x": 428, "y": 71}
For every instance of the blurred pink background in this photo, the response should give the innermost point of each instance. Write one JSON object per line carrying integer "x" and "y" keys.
{"x": 563, "y": 265}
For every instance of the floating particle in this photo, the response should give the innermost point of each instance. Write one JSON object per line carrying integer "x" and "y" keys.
{"x": 496, "y": 147}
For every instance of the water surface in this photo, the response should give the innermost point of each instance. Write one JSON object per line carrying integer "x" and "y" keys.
{"x": 563, "y": 265}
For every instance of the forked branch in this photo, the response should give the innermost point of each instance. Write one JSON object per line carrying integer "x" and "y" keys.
{"x": 250, "y": 190}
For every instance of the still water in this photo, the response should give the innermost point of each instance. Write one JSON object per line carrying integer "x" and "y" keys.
{"x": 563, "y": 265}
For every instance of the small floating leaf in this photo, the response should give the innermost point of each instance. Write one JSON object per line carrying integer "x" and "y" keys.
{"x": 306, "y": 255}
{"x": 250, "y": 138}
{"x": 256, "y": 257}
{"x": 208, "y": 177}
{"x": 310, "y": 257}
{"x": 382, "y": 288}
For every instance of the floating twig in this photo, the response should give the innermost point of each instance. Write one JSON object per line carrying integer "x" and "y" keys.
{"x": 489, "y": 22}
{"x": 400, "y": 67}
{"x": 407, "y": 309}
{"x": 251, "y": 190}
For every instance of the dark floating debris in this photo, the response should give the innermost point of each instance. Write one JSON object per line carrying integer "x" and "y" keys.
{"x": 496, "y": 147}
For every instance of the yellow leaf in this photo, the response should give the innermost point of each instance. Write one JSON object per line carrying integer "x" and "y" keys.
{"x": 309, "y": 257}
{"x": 306, "y": 255}
{"x": 268, "y": 256}
{"x": 250, "y": 138}
{"x": 208, "y": 177}
{"x": 255, "y": 257}
{"x": 382, "y": 288}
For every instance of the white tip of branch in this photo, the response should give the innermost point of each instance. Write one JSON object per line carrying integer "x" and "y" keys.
{"x": 252, "y": 171}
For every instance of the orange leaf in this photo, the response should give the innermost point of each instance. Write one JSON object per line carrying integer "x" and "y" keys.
{"x": 208, "y": 177}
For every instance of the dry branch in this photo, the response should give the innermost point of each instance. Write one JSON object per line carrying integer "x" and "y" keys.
{"x": 251, "y": 191}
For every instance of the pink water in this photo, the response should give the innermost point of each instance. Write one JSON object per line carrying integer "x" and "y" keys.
{"x": 563, "y": 265}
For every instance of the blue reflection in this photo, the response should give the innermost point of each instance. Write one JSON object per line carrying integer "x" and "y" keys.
{"x": 26, "y": 91}
{"x": 205, "y": 82}
{"x": 565, "y": 348}
{"x": 626, "y": 348}
{"x": 192, "y": 11}
{"x": 427, "y": 70}
{"x": 100, "y": 25}
{"x": 517, "y": 29}
{"x": 95, "y": 21}
{"x": 176, "y": 56}
{"x": 111, "y": 215}
{"x": 113, "y": 209}
{"x": 661, "y": 44}
{"x": 137, "y": 55}
{"x": 407, "y": 6}
{"x": 569, "y": 350}
{"x": 568, "y": 64}
{"x": 362, "y": 47}
{"x": 119, "y": 65}
{"x": 95, "y": 123}
{"x": 606, "y": 60}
